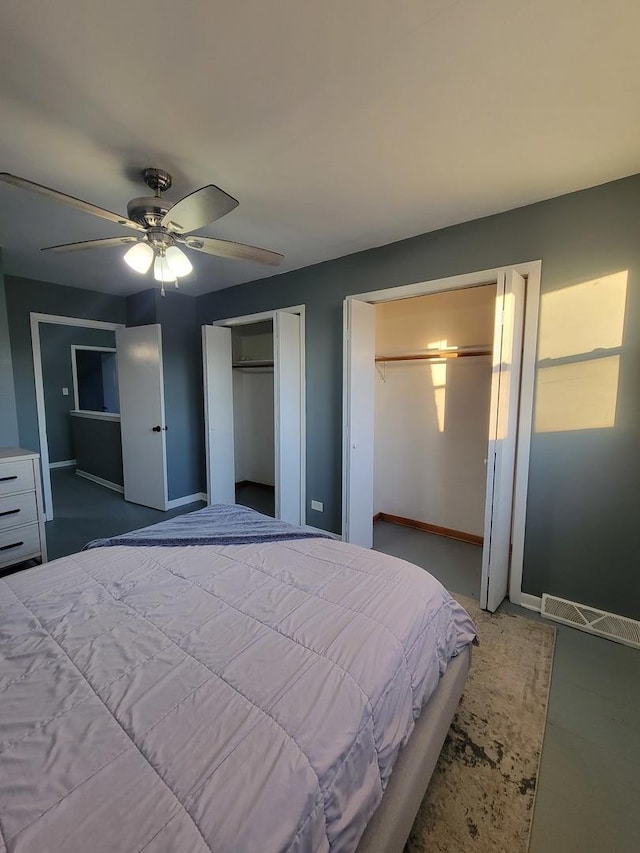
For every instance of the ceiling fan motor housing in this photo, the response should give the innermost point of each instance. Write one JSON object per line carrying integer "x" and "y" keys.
{"x": 147, "y": 210}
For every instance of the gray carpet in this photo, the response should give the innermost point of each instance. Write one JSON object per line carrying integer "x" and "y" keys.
{"x": 84, "y": 511}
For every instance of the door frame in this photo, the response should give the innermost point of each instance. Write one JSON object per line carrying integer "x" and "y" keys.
{"x": 247, "y": 319}
{"x": 35, "y": 319}
{"x": 531, "y": 271}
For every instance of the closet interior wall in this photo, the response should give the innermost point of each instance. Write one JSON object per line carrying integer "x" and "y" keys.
{"x": 432, "y": 414}
{"x": 252, "y": 354}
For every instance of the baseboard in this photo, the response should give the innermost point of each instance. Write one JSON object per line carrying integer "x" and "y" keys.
{"x": 66, "y": 463}
{"x": 449, "y": 532}
{"x": 531, "y": 602}
{"x": 186, "y": 499}
{"x": 242, "y": 483}
{"x": 100, "y": 481}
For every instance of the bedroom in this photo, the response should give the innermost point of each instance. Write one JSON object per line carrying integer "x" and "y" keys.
{"x": 319, "y": 137}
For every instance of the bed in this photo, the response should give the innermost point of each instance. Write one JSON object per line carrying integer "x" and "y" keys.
{"x": 223, "y": 682}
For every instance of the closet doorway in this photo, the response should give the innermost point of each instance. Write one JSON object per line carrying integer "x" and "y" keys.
{"x": 434, "y": 400}
{"x": 254, "y": 412}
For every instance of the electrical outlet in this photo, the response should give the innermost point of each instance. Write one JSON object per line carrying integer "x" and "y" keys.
{"x": 317, "y": 505}
{"x": 65, "y": 392}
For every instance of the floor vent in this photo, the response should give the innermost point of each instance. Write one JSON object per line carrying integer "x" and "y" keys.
{"x": 599, "y": 622}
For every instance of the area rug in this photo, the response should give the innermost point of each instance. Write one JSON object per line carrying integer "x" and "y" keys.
{"x": 482, "y": 792}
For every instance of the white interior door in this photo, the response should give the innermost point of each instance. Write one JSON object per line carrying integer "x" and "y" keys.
{"x": 218, "y": 414}
{"x": 358, "y": 419}
{"x": 503, "y": 424}
{"x": 142, "y": 419}
{"x": 287, "y": 390}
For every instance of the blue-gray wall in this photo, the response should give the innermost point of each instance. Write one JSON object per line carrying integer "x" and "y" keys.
{"x": 8, "y": 414}
{"x": 584, "y": 491}
{"x": 25, "y": 296}
{"x": 55, "y": 346}
{"x": 89, "y": 435}
{"x": 182, "y": 359}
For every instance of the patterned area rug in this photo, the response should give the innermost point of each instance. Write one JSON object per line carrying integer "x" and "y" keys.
{"x": 481, "y": 795}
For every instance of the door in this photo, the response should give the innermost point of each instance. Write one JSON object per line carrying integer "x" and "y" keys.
{"x": 287, "y": 390}
{"x": 218, "y": 414}
{"x": 503, "y": 424}
{"x": 358, "y": 416}
{"x": 142, "y": 420}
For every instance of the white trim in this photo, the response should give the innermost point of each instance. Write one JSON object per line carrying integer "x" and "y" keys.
{"x": 186, "y": 499}
{"x": 35, "y": 319}
{"x": 74, "y": 368}
{"x": 532, "y": 271}
{"x": 531, "y": 602}
{"x": 96, "y": 416}
{"x": 270, "y": 315}
{"x": 66, "y": 463}
{"x": 100, "y": 481}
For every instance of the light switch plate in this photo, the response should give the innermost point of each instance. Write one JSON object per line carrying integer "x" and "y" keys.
{"x": 317, "y": 505}
{"x": 65, "y": 392}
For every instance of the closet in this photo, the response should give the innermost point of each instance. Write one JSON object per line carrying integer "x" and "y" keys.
{"x": 253, "y": 415}
{"x": 433, "y": 358}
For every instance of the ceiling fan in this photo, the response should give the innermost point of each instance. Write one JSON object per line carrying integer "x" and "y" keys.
{"x": 162, "y": 227}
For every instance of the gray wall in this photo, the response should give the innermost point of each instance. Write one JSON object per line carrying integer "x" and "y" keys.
{"x": 24, "y": 296}
{"x": 8, "y": 414}
{"x": 584, "y": 491}
{"x": 182, "y": 358}
{"x": 55, "y": 345}
{"x": 91, "y": 435}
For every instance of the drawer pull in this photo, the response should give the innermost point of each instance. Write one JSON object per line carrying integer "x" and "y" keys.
{"x": 14, "y": 545}
{"x": 9, "y": 512}
{"x": 6, "y": 479}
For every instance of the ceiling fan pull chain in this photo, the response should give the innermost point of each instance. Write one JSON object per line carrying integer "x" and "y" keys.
{"x": 162, "y": 290}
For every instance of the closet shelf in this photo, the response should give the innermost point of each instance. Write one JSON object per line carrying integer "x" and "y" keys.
{"x": 459, "y": 352}
{"x": 253, "y": 363}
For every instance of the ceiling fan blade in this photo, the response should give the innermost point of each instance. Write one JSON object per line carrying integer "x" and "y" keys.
{"x": 106, "y": 243}
{"x": 84, "y": 206}
{"x": 226, "y": 249}
{"x": 198, "y": 209}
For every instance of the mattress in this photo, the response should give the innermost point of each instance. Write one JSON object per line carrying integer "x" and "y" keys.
{"x": 231, "y": 698}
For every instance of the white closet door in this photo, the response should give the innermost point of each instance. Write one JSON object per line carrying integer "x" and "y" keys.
{"x": 142, "y": 419}
{"x": 218, "y": 414}
{"x": 358, "y": 419}
{"x": 503, "y": 424}
{"x": 287, "y": 390}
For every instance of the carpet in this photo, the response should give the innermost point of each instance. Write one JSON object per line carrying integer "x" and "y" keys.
{"x": 482, "y": 792}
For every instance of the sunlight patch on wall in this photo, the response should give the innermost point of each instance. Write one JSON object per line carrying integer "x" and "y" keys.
{"x": 439, "y": 382}
{"x": 580, "y": 395}
{"x": 581, "y": 331}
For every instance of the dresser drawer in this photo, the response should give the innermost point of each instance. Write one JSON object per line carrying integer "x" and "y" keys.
{"x": 18, "y": 509}
{"x": 16, "y": 476}
{"x": 19, "y": 543}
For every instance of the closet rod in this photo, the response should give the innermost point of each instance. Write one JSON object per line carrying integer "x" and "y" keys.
{"x": 255, "y": 363}
{"x": 462, "y": 352}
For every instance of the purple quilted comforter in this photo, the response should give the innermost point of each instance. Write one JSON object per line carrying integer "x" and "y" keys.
{"x": 227, "y": 698}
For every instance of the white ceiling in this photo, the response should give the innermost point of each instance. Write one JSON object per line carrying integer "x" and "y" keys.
{"x": 338, "y": 124}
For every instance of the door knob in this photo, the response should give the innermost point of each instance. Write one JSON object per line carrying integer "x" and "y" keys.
{"x": 158, "y": 428}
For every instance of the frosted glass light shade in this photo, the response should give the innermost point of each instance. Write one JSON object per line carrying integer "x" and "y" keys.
{"x": 179, "y": 263}
{"x": 161, "y": 270}
{"x": 139, "y": 257}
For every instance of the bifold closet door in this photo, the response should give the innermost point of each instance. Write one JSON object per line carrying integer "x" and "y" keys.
{"x": 287, "y": 399}
{"x": 503, "y": 426}
{"x": 218, "y": 414}
{"x": 358, "y": 418}
{"x": 142, "y": 418}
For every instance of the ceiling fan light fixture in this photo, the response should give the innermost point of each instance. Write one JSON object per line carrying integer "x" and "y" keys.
{"x": 161, "y": 270}
{"x": 178, "y": 262}
{"x": 139, "y": 257}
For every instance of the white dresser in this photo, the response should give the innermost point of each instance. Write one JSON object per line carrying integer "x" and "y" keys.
{"x": 22, "y": 534}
